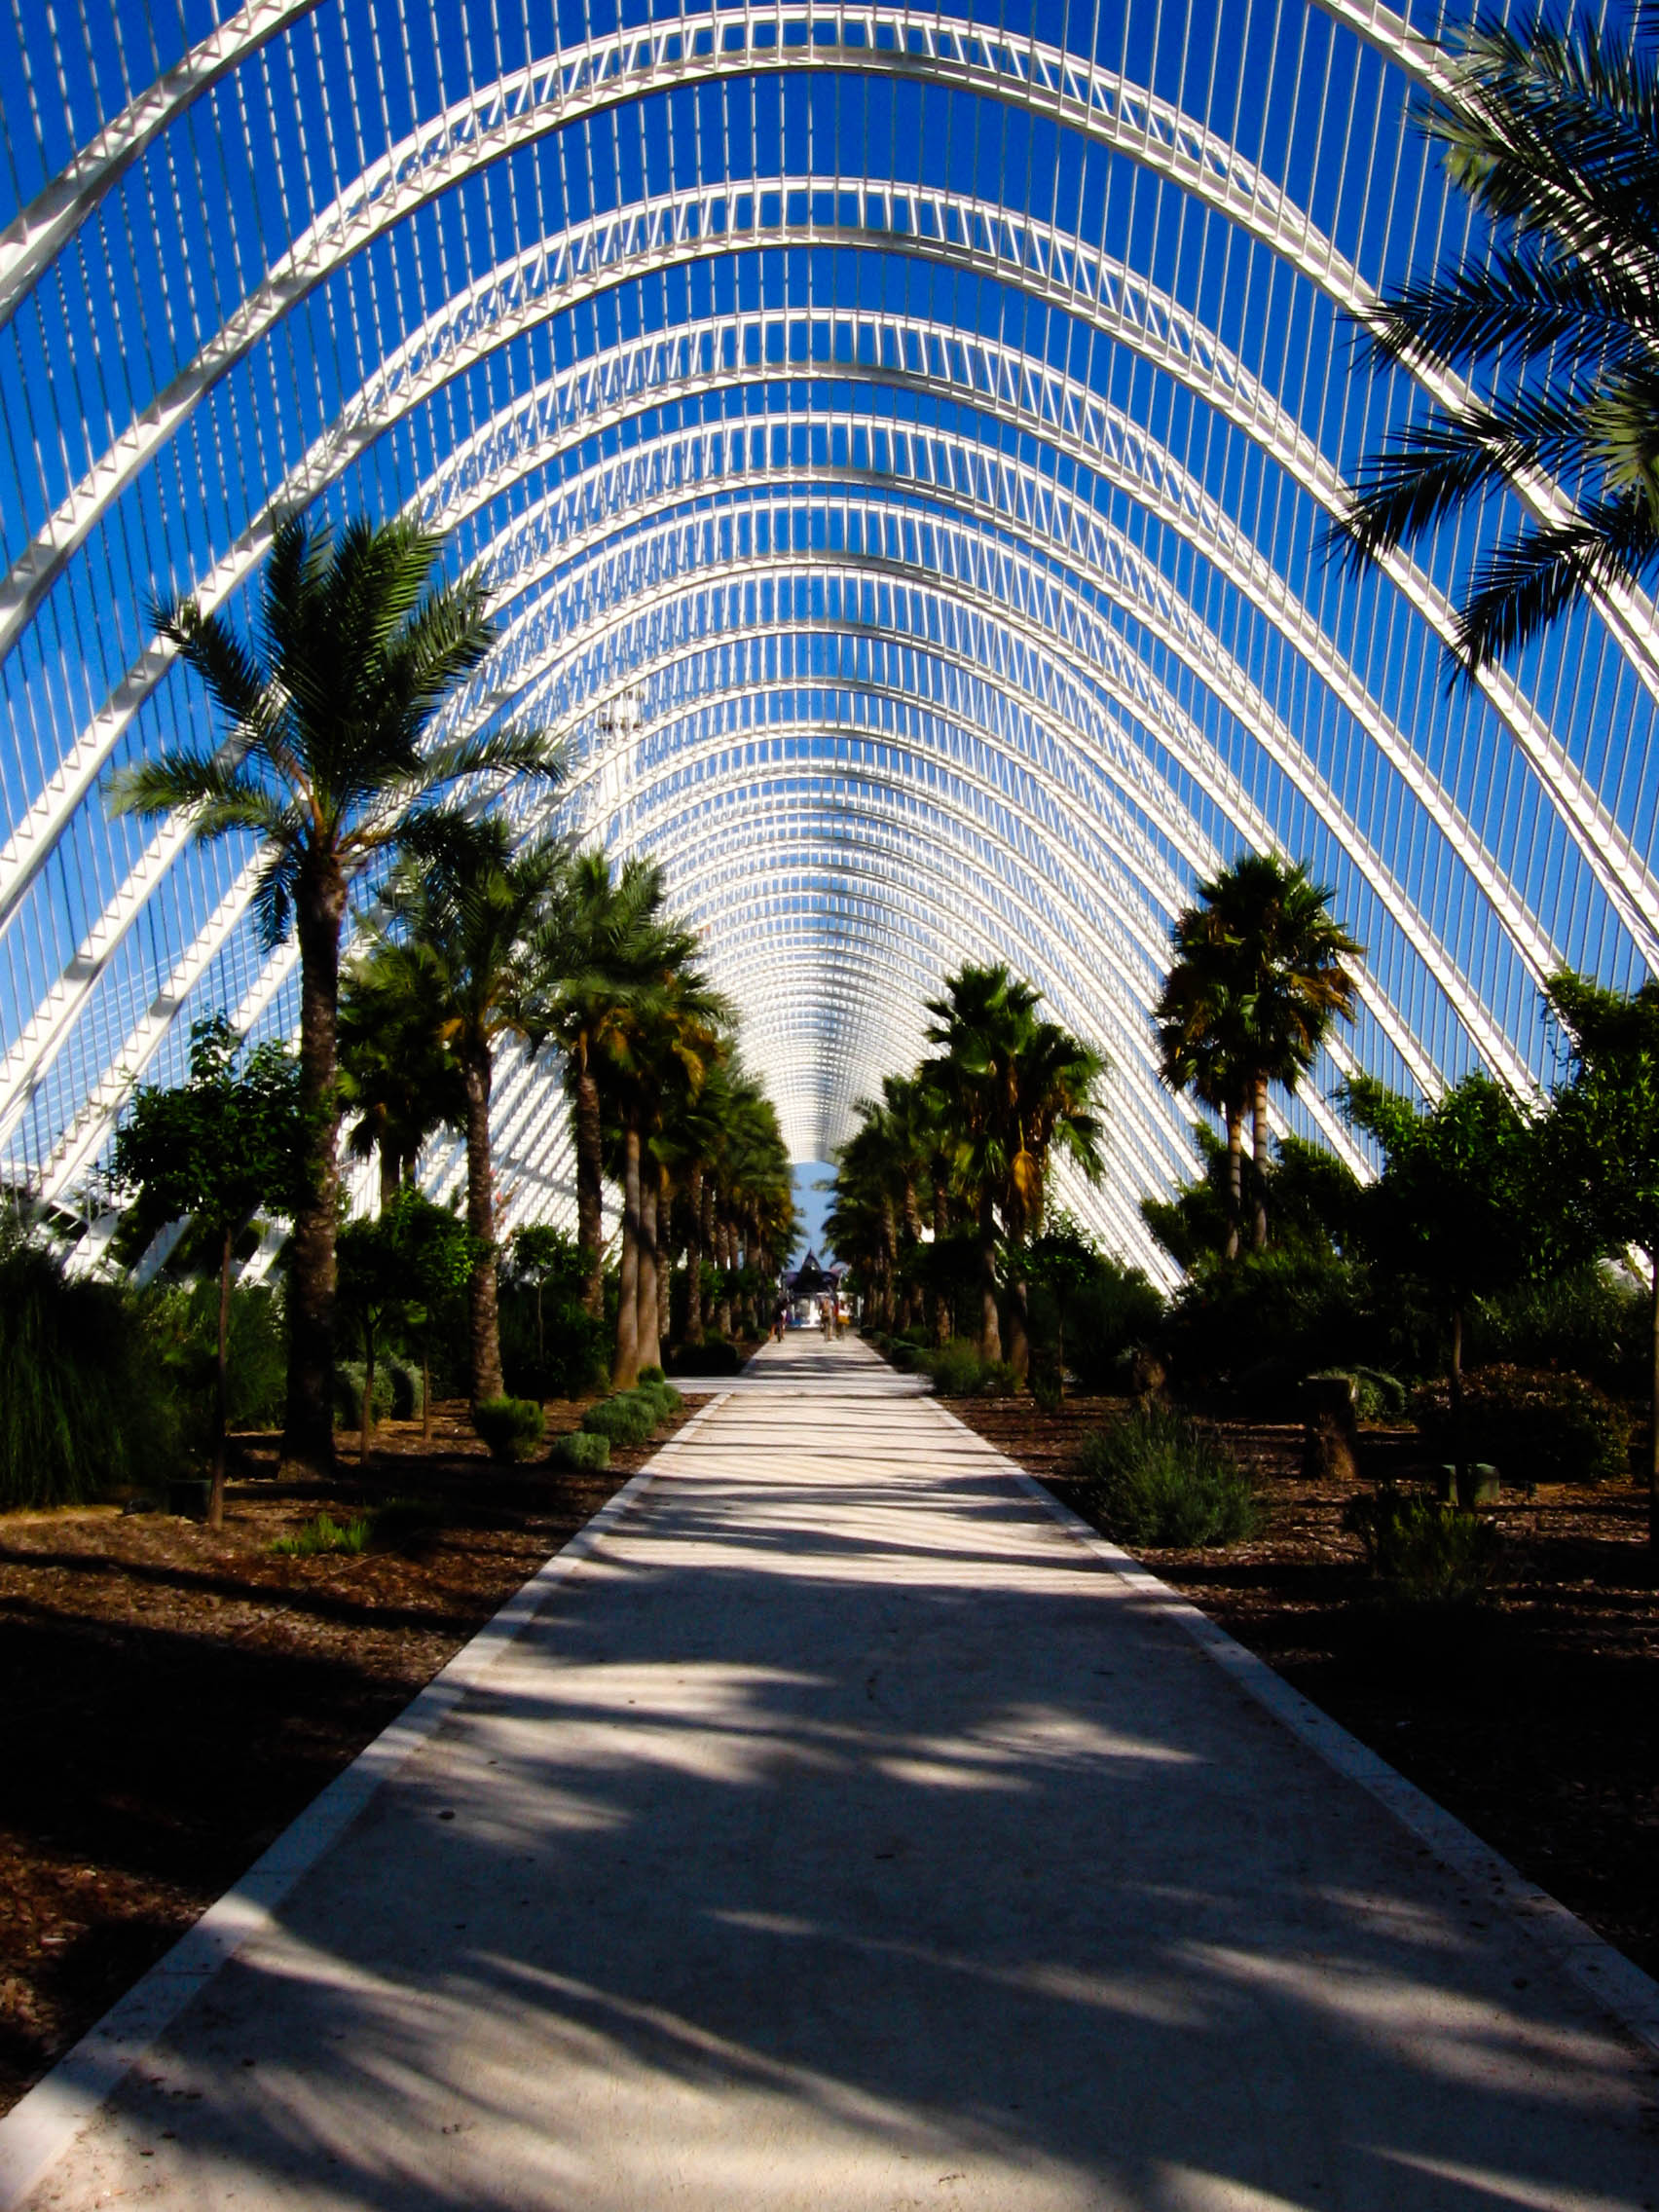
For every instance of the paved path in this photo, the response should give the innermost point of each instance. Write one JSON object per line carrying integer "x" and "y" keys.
{"x": 843, "y": 1835}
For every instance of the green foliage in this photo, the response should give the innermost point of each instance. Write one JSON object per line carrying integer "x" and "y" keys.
{"x": 1264, "y": 1322}
{"x": 222, "y": 1145}
{"x": 510, "y": 1426}
{"x": 581, "y": 1451}
{"x": 350, "y": 1376}
{"x": 1313, "y": 1202}
{"x": 1376, "y": 1396}
{"x": 1157, "y": 1478}
{"x": 955, "y": 1368}
{"x": 1536, "y": 1426}
{"x": 712, "y": 1357}
{"x": 83, "y": 1405}
{"x": 326, "y": 1535}
{"x": 625, "y": 1419}
{"x": 1457, "y": 1204}
{"x": 408, "y": 1390}
{"x": 652, "y": 1374}
{"x": 181, "y": 1324}
{"x": 405, "y": 1520}
{"x": 1592, "y": 1320}
{"x": 662, "y": 1395}
{"x": 1426, "y": 1551}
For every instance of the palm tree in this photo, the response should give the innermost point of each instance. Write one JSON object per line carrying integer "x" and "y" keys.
{"x": 1015, "y": 1085}
{"x": 602, "y": 950}
{"x": 462, "y": 938}
{"x": 1261, "y": 974}
{"x": 397, "y": 1077}
{"x": 1553, "y": 328}
{"x": 328, "y": 762}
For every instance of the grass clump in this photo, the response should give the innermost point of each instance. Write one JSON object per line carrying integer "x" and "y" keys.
{"x": 511, "y": 1428}
{"x": 324, "y": 1535}
{"x": 1158, "y": 1478}
{"x": 1426, "y": 1553}
{"x": 581, "y": 1451}
{"x": 955, "y": 1368}
{"x": 628, "y": 1418}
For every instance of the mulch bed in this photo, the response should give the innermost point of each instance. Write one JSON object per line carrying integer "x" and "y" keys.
{"x": 172, "y": 1698}
{"x": 1533, "y": 1715}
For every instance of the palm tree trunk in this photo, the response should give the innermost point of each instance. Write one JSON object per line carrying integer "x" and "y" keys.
{"x": 722, "y": 1260}
{"x": 990, "y": 1330}
{"x": 665, "y": 1254}
{"x": 222, "y": 1393}
{"x": 649, "y": 1351}
{"x": 1653, "y": 1415}
{"x": 590, "y": 1187}
{"x": 1020, "y": 1328}
{"x": 391, "y": 1174}
{"x": 944, "y": 1321}
{"x": 694, "y": 1261}
{"x": 485, "y": 1321}
{"x": 625, "y": 1369}
{"x": 307, "y": 1427}
{"x": 1258, "y": 1165}
{"x": 1235, "y": 1178}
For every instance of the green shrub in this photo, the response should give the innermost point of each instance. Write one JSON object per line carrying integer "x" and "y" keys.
{"x": 84, "y": 1392}
{"x": 1426, "y": 1551}
{"x": 1269, "y": 1319}
{"x": 1112, "y": 1313}
{"x": 955, "y": 1369}
{"x": 581, "y": 1451}
{"x": 325, "y": 1535}
{"x": 1536, "y": 1426}
{"x": 1154, "y": 1477}
{"x": 663, "y": 1395}
{"x": 652, "y": 1374}
{"x": 997, "y": 1380}
{"x": 407, "y": 1403}
{"x": 1376, "y": 1396}
{"x": 349, "y": 1375}
{"x": 712, "y": 1357}
{"x": 625, "y": 1419}
{"x": 1594, "y": 1321}
{"x": 510, "y": 1426}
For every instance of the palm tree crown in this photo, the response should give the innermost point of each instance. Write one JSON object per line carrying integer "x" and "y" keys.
{"x": 1554, "y": 135}
{"x": 329, "y": 761}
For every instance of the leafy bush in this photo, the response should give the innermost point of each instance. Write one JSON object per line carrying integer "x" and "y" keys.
{"x": 652, "y": 1374}
{"x": 1268, "y": 1321}
{"x": 1114, "y": 1312}
{"x": 581, "y": 1451}
{"x": 1158, "y": 1478}
{"x": 510, "y": 1426}
{"x": 1376, "y": 1396}
{"x": 997, "y": 1380}
{"x": 84, "y": 1404}
{"x": 663, "y": 1395}
{"x": 407, "y": 1403}
{"x": 955, "y": 1369}
{"x": 349, "y": 1375}
{"x": 1594, "y": 1321}
{"x": 1426, "y": 1551}
{"x": 325, "y": 1535}
{"x": 1538, "y": 1426}
{"x": 712, "y": 1357}
{"x": 626, "y": 1418}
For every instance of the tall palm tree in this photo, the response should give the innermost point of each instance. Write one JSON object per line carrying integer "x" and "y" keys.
{"x": 1015, "y": 1086}
{"x": 602, "y": 951}
{"x": 462, "y": 938}
{"x": 1262, "y": 971}
{"x": 1554, "y": 329}
{"x": 399, "y": 1082}
{"x": 329, "y": 762}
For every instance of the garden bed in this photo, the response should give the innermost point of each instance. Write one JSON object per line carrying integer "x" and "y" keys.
{"x": 172, "y": 1698}
{"x": 1533, "y": 1716}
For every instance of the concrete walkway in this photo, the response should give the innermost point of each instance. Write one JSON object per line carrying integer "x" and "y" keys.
{"x": 843, "y": 1834}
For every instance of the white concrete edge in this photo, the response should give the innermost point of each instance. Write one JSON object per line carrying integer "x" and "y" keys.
{"x": 45, "y": 2122}
{"x": 1620, "y": 1986}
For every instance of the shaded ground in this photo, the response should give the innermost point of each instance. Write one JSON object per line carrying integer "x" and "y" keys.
{"x": 1533, "y": 1717}
{"x": 172, "y": 1698}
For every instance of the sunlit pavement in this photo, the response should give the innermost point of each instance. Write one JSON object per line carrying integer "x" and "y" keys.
{"x": 844, "y": 1835}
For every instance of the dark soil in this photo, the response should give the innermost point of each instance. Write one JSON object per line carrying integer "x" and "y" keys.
{"x": 1532, "y": 1714}
{"x": 172, "y": 1698}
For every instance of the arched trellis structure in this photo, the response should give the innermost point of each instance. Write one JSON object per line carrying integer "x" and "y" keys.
{"x": 925, "y": 417}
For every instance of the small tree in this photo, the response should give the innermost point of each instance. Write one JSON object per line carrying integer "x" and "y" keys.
{"x": 1456, "y": 1206}
{"x": 541, "y": 1255}
{"x": 1600, "y": 1146}
{"x": 372, "y": 1285}
{"x": 221, "y": 1146}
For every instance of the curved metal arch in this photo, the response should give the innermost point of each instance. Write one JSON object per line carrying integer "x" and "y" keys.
{"x": 1254, "y": 713}
{"x": 1086, "y": 541}
{"x": 920, "y": 801}
{"x": 1611, "y": 859}
{"x": 529, "y": 103}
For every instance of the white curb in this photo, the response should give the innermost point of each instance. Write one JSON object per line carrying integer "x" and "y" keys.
{"x": 1631, "y": 1995}
{"x": 41, "y": 2126}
